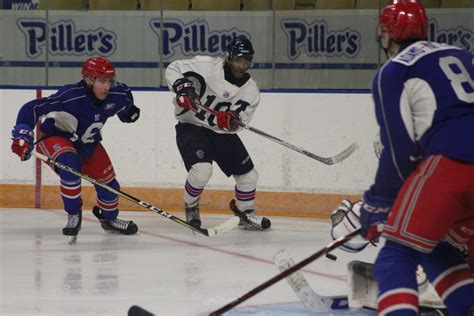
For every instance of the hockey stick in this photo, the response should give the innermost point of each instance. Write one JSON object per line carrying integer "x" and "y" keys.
{"x": 310, "y": 299}
{"x": 333, "y": 245}
{"x": 136, "y": 310}
{"x": 222, "y": 228}
{"x": 325, "y": 160}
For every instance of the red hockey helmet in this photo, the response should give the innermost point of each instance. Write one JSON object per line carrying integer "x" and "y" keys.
{"x": 404, "y": 20}
{"x": 98, "y": 67}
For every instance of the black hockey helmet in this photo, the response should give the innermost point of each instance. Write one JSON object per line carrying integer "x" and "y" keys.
{"x": 240, "y": 46}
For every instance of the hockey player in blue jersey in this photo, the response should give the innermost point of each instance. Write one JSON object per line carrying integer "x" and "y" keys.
{"x": 424, "y": 187}
{"x": 69, "y": 123}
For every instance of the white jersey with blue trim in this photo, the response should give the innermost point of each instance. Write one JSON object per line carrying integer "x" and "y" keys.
{"x": 207, "y": 74}
{"x": 424, "y": 105}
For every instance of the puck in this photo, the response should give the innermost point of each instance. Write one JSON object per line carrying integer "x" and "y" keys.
{"x": 331, "y": 256}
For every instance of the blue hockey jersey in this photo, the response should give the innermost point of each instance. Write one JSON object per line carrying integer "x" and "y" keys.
{"x": 87, "y": 112}
{"x": 424, "y": 105}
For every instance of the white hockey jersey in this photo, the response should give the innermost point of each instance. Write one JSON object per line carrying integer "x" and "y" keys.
{"x": 207, "y": 74}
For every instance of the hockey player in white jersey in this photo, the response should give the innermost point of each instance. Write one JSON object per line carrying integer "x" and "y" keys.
{"x": 224, "y": 86}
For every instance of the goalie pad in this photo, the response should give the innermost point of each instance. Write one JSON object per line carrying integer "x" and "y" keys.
{"x": 363, "y": 288}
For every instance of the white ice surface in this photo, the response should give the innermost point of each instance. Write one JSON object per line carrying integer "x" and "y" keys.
{"x": 165, "y": 269}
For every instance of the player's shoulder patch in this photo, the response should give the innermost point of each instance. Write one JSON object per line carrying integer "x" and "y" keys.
{"x": 414, "y": 52}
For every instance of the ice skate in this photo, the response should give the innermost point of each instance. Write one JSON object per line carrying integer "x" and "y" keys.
{"x": 248, "y": 219}
{"x": 116, "y": 225}
{"x": 192, "y": 215}
{"x": 73, "y": 227}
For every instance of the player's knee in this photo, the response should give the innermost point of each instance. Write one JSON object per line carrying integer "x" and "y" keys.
{"x": 106, "y": 195}
{"x": 114, "y": 184}
{"x": 70, "y": 159}
{"x": 199, "y": 174}
{"x": 396, "y": 265}
{"x": 246, "y": 180}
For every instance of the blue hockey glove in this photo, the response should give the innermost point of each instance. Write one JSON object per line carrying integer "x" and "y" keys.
{"x": 373, "y": 215}
{"x": 186, "y": 96}
{"x": 129, "y": 115}
{"x": 23, "y": 139}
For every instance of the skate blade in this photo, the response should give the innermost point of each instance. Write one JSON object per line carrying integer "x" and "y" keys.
{"x": 72, "y": 239}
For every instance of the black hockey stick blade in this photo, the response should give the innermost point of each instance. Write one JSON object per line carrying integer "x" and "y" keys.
{"x": 228, "y": 225}
{"x": 333, "y": 245}
{"x": 138, "y": 311}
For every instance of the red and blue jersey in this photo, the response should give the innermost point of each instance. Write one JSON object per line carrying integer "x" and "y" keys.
{"x": 86, "y": 114}
{"x": 424, "y": 105}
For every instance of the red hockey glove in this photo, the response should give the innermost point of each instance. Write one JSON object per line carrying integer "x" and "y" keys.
{"x": 23, "y": 137}
{"x": 229, "y": 120}
{"x": 186, "y": 96}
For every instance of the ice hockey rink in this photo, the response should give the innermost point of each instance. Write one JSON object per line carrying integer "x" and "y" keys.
{"x": 165, "y": 268}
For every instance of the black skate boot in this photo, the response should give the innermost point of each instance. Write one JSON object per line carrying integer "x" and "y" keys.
{"x": 192, "y": 215}
{"x": 116, "y": 225}
{"x": 248, "y": 219}
{"x": 73, "y": 227}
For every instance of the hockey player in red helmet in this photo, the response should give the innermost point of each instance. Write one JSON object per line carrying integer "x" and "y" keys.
{"x": 422, "y": 191}
{"x": 402, "y": 21}
{"x": 70, "y": 122}
{"x": 99, "y": 74}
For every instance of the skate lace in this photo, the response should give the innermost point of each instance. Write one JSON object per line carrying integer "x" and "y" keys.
{"x": 72, "y": 221}
{"x": 120, "y": 224}
{"x": 251, "y": 217}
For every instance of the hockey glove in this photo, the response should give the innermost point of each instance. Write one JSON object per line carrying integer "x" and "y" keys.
{"x": 23, "y": 139}
{"x": 373, "y": 215}
{"x": 129, "y": 115}
{"x": 186, "y": 96}
{"x": 346, "y": 219}
{"x": 228, "y": 121}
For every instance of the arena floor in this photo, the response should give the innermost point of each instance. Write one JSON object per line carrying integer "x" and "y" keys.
{"x": 165, "y": 269}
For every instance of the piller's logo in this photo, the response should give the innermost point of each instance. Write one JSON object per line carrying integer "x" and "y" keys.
{"x": 65, "y": 39}
{"x": 317, "y": 39}
{"x": 193, "y": 38}
{"x": 457, "y": 36}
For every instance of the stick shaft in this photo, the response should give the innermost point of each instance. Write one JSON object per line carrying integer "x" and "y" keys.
{"x": 336, "y": 243}
{"x": 326, "y": 160}
{"x": 120, "y": 193}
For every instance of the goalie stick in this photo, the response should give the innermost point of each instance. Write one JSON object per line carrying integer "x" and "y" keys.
{"x": 222, "y": 228}
{"x": 325, "y": 160}
{"x": 362, "y": 286}
{"x": 333, "y": 245}
{"x": 310, "y": 299}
